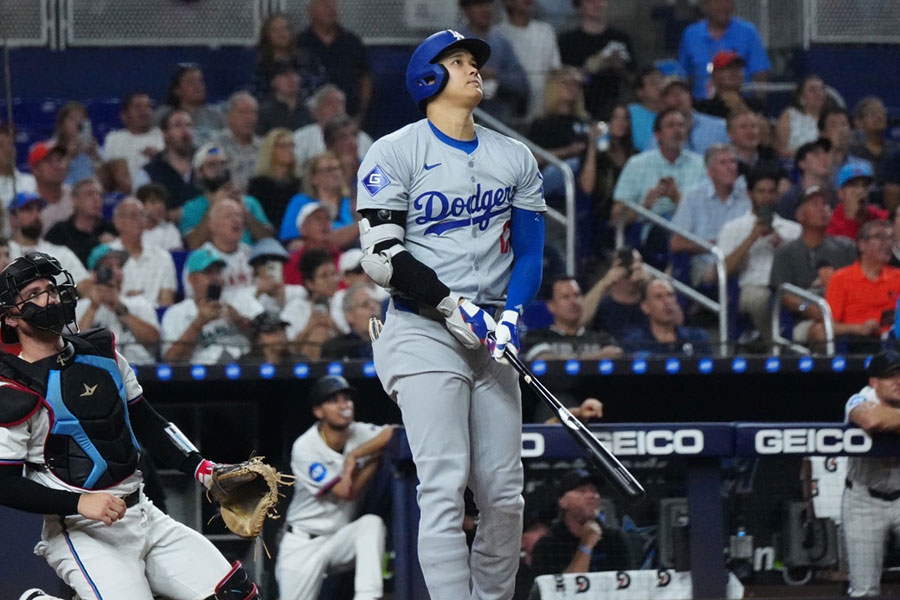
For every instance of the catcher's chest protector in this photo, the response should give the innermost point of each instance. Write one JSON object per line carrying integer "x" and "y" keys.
{"x": 90, "y": 444}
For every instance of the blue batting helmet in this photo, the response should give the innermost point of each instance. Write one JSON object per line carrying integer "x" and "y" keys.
{"x": 424, "y": 78}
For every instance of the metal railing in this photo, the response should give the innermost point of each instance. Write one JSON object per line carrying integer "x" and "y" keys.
{"x": 567, "y": 219}
{"x": 827, "y": 320}
{"x": 720, "y": 307}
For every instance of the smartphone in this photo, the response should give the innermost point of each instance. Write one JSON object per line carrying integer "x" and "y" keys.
{"x": 104, "y": 275}
{"x": 765, "y": 214}
{"x": 625, "y": 256}
{"x": 214, "y": 292}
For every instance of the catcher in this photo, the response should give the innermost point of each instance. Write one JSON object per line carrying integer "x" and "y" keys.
{"x": 333, "y": 461}
{"x": 72, "y": 424}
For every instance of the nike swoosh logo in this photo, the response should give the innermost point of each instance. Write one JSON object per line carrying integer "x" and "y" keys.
{"x": 430, "y": 167}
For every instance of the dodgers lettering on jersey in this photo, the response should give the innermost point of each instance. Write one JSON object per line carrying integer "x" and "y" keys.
{"x": 458, "y": 205}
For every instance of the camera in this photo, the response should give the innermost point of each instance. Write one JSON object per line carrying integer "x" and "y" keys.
{"x": 104, "y": 275}
{"x": 213, "y": 291}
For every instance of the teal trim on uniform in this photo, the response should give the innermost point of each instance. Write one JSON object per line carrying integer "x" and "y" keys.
{"x": 467, "y": 147}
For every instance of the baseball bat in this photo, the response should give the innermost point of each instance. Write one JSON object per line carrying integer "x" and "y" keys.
{"x": 603, "y": 460}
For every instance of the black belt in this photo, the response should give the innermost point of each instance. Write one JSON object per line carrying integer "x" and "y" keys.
{"x": 132, "y": 498}
{"x": 290, "y": 529}
{"x": 417, "y": 308}
{"x": 886, "y": 496}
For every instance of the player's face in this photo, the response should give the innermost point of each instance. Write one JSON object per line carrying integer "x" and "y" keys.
{"x": 41, "y": 292}
{"x": 337, "y": 411}
{"x": 464, "y": 85}
{"x": 887, "y": 388}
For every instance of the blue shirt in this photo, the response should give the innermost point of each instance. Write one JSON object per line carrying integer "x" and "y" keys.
{"x": 688, "y": 340}
{"x": 288, "y": 229}
{"x": 641, "y": 125}
{"x": 194, "y": 210}
{"x": 698, "y": 48}
{"x": 703, "y": 213}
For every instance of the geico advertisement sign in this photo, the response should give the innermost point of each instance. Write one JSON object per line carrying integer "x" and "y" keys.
{"x": 811, "y": 441}
{"x": 659, "y": 442}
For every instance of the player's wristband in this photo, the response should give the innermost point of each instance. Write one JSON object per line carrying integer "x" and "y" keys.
{"x": 586, "y": 550}
{"x": 203, "y": 472}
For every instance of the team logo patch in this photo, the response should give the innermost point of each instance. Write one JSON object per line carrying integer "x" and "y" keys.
{"x": 375, "y": 181}
{"x": 317, "y": 471}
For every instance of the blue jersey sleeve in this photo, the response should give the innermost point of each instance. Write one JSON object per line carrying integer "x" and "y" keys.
{"x": 527, "y": 239}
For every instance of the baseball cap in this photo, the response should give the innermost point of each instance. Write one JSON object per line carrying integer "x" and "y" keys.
{"x": 808, "y": 147}
{"x": 308, "y": 209}
{"x": 266, "y": 249}
{"x": 851, "y": 171}
{"x": 673, "y": 80}
{"x": 24, "y": 198}
{"x": 41, "y": 150}
{"x": 811, "y": 192}
{"x": 205, "y": 152}
{"x": 349, "y": 260}
{"x": 102, "y": 251}
{"x": 724, "y": 58}
{"x": 884, "y": 364}
{"x": 574, "y": 479}
{"x": 268, "y": 321}
{"x": 202, "y": 259}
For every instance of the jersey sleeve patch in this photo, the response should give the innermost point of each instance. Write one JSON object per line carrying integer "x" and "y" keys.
{"x": 376, "y": 180}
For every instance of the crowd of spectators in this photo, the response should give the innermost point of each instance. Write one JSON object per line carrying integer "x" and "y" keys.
{"x": 236, "y": 222}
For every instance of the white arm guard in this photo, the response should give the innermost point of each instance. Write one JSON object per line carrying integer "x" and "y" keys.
{"x": 377, "y": 265}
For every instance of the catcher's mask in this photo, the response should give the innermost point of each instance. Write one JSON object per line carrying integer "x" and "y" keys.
{"x": 53, "y": 316}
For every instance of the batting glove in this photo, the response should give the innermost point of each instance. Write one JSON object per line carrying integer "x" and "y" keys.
{"x": 506, "y": 336}
{"x": 467, "y": 322}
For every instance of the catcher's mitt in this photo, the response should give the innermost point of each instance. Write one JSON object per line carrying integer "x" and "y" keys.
{"x": 247, "y": 493}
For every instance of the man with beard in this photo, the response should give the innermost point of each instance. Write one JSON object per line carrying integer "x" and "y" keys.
{"x": 333, "y": 461}
{"x": 171, "y": 168}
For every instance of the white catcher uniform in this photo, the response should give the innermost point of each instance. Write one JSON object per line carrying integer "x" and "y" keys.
{"x": 145, "y": 553}
{"x": 319, "y": 534}
{"x": 461, "y": 408}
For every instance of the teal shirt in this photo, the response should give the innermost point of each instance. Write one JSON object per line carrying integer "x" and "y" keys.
{"x": 194, "y": 210}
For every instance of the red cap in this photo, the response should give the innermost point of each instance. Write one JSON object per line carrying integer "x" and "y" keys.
{"x": 724, "y": 58}
{"x": 41, "y": 150}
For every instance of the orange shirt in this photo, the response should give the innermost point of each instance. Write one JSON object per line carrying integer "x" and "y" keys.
{"x": 854, "y": 298}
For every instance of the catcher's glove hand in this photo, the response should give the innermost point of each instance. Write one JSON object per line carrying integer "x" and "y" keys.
{"x": 247, "y": 493}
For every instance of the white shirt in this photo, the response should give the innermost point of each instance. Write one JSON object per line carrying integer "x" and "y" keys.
{"x": 66, "y": 257}
{"x": 59, "y": 211}
{"x": 538, "y": 52}
{"x": 25, "y": 441}
{"x": 121, "y": 143}
{"x": 165, "y": 236}
{"x": 298, "y": 311}
{"x": 309, "y": 141}
{"x": 24, "y": 183}
{"x": 292, "y": 294}
{"x": 219, "y": 341}
{"x": 758, "y": 265}
{"x": 131, "y": 349}
{"x": 147, "y": 274}
{"x": 237, "y": 274}
{"x": 315, "y": 465}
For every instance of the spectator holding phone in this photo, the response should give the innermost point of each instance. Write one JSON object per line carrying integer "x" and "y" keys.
{"x": 749, "y": 243}
{"x": 131, "y": 318}
{"x": 613, "y": 303}
{"x": 269, "y": 289}
{"x": 853, "y": 210}
{"x": 203, "y": 329}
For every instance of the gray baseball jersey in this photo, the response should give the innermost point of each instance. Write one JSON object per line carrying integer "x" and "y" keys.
{"x": 458, "y": 205}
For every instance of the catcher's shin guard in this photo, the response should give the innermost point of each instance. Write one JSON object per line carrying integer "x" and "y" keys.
{"x": 237, "y": 585}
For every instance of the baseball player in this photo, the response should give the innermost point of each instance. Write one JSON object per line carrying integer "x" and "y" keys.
{"x": 452, "y": 221}
{"x": 333, "y": 461}
{"x": 72, "y": 415}
{"x": 870, "y": 508}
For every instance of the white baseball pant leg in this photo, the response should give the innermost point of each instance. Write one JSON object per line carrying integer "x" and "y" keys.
{"x": 866, "y": 522}
{"x": 303, "y": 562}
